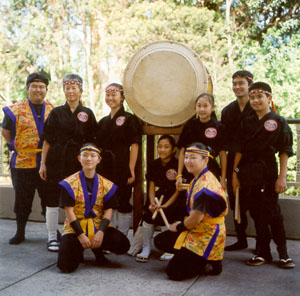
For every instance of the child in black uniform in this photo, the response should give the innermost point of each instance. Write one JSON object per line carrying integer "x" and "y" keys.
{"x": 161, "y": 173}
{"x": 119, "y": 134}
{"x": 255, "y": 172}
{"x": 206, "y": 129}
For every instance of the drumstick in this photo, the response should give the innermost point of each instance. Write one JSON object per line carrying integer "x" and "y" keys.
{"x": 156, "y": 211}
{"x": 162, "y": 213}
{"x": 237, "y": 211}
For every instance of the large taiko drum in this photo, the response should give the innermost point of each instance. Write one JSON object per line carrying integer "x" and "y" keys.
{"x": 162, "y": 81}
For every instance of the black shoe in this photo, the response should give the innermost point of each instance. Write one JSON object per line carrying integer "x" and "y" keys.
{"x": 214, "y": 268}
{"x": 17, "y": 239}
{"x": 101, "y": 260}
{"x": 237, "y": 246}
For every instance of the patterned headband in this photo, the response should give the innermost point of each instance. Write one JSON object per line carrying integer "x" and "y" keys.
{"x": 72, "y": 82}
{"x": 257, "y": 91}
{"x": 113, "y": 90}
{"x": 90, "y": 148}
{"x": 199, "y": 151}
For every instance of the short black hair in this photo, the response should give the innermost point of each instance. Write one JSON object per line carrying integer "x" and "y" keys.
{"x": 244, "y": 73}
{"x": 36, "y": 77}
{"x": 168, "y": 137}
{"x": 261, "y": 85}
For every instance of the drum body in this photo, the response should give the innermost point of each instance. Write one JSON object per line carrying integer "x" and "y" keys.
{"x": 162, "y": 81}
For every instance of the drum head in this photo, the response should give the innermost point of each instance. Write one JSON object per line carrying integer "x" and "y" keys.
{"x": 162, "y": 81}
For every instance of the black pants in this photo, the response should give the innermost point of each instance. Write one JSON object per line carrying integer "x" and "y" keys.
{"x": 269, "y": 222}
{"x": 25, "y": 182}
{"x": 185, "y": 264}
{"x": 71, "y": 252}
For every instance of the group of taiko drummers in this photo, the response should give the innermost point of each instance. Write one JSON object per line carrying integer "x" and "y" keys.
{"x": 88, "y": 168}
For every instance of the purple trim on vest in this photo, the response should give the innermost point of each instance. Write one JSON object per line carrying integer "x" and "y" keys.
{"x": 89, "y": 204}
{"x": 110, "y": 193}
{"x": 68, "y": 188}
{"x": 212, "y": 195}
{"x": 191, "y": 191}
{"x": 40, "y": 126}
{"x": 212, "y": 242}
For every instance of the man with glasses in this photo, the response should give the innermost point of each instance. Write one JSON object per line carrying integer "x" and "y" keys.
{"x": 22, "y": 128}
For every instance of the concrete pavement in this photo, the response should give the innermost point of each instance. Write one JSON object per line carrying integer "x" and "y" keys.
{"x": 29, "y": 269}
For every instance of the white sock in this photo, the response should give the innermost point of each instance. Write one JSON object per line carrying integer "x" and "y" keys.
{"x": 114, "y": 219}
{"x": 52, "y": 222}
{"x": 148, "y": 230}
{"x": 124, "y": 220}
{"x": 145, "y": 253}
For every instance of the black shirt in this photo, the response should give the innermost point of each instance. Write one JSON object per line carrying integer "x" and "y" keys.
{"x": 231, "y": 118}
{"x": 117, "y": 134}
{"x": 211, "y": 133}
{"x": 66, "y": 132}
{"x": 263, "y": 138}
{"x": 163, "y": 176}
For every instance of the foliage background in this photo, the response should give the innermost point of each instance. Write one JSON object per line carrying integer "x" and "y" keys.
{"x": 97, "y": 38}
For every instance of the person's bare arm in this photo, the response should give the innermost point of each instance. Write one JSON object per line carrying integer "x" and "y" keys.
{"x": 6, "y": 135}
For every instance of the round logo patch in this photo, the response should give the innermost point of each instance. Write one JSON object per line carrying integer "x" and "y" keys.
{"x": 82, "y": 116}
{"x": 210, "y": 132}
{"x": 171, "y": 174}
{"x": 271, "y": 125}
{"x": 120, "y": 120}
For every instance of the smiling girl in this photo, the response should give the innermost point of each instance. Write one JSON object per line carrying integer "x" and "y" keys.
{"x": 206, "y": 129}
{"x": 161, "y": 175}
{"x": 200, "y": 238}
{"x": 119, "y": 134}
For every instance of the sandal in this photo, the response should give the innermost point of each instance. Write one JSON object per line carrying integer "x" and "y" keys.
{"x": 166, "y": 257}
{"x": 141, "y": 259}
{"x": 53, "y": 246}
{"x": 256, "y": 261}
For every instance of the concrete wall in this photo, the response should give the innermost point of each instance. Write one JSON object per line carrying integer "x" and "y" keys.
{"x": 290, "y": 207}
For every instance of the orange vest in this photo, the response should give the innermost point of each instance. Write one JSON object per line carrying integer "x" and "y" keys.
{"x": 207, "y": 239}
{"x": 26, "y": 131}
{"x": 102, "y": 191}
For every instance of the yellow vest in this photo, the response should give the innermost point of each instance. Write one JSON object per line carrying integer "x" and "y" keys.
{"x": 73, "y": 185}
{"x": 27, "y": 129}
{"x": 207, "y": 239}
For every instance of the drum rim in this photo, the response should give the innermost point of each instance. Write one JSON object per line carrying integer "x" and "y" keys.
{"x": 200, "y": 71}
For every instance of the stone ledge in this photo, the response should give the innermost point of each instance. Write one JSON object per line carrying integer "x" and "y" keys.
{"x": 290, "y": 207}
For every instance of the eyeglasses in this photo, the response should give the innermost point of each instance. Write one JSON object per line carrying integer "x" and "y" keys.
{"x": 36, "y": 86}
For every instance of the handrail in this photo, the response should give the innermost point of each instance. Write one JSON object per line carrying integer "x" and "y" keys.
{"x": 296, "y": 121}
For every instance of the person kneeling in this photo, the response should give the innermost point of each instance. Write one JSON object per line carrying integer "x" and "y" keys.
{"x": 88, "y": 200}
{"x": 198, "y": 241}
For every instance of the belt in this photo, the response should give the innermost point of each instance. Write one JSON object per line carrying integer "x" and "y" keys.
{"x": 87, "y": 225}
{"x": 182, "y": 236}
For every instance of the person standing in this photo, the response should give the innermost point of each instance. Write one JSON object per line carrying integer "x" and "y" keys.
{"x": 67, "y": 128}
{"x": 231, "y": 117}
{"x": 119, "y": 134}
{"x": 22, "y": 128}
{"x": 262, "y": 135}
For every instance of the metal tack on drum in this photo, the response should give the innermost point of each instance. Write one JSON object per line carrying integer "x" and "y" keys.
{"x": 162, "y": 81}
